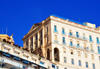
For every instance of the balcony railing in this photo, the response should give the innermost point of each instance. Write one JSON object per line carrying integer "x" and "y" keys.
{"x": 70, "y": 34}
{"x": 91, "y": 50}
{"x": 64, "y": 43}
{"x": 85, "y": 38}
{"x": 91, "y": 40}
{"x": 70, "y": 44}
{"x": 77, "y": 36}
{"x": 55, "y": 41}
{"x": 81, "y": 47}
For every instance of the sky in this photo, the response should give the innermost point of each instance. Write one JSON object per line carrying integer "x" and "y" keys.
{"x": 18, "y": 16}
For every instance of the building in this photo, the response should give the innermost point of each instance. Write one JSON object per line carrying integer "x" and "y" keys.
{"x": 65, "y": 43}
{"x": 13, "y": 56}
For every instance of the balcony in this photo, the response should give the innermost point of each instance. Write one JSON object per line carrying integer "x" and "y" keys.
{"x": 91, "y": 50}
{"x": 70, "y": 44}
{"x": 80, "y": 47}
{"x": 77, "y": 36}
{"x": 64, "y": 43}
{"x": 91, "y": 40}
{"x": 55, "y": 41}
{"x": 85, "y": 38}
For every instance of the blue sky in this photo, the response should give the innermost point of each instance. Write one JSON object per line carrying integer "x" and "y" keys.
{"x": 19, "y": 15}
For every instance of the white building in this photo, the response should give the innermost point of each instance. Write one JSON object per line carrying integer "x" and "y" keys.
{"x": 67, "y": 44}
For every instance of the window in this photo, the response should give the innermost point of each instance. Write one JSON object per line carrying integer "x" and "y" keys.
{"x": 41, "y": 34}
{"x": 56, "y": 54}
{"x": 77, "y": 44}
{"x": 93, "y": 66}
{"x": 46, "y": 29}
{"x": 99, "y": 49}
{"x": 79, "y": 54}
{"x": 91, "y": 46}
{"x": 41, "y": 63}
{"x": 64, "y": 49}
{"x": 27, "y": 44}
{"x": 36, "y": 37}
{"x": 86, "y": 64}
{"x": 71, "y": 51}
{"x": 57, "y": 67}
{"x": 63, "y": 40}
{"x": 63, "y": 31}
{"x": 53, "y": 66}
{"x": 31, "y": 41}
{"x": 90, "y": 38}
{"x": 79, "y": 62}
{"x": 77, "y": 35}
{"x": 56, "y": 37}
{"x": 71, "y": 43}
{"x": 97, "y": 40}
{"x": 72, "y": 61}
{"x": 70, "y": 32}
{"x": 92, "y": 56}
{"x": 85, "y": 55}
{"x": 64, "y": 59}
{"x": 55, "y": 29}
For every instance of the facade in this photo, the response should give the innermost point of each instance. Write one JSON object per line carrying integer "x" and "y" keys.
{"x": 13, "y": 56}
{"x": 66, "y": 44}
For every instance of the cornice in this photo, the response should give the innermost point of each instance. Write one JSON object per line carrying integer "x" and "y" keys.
{"x": 74, "y": 24}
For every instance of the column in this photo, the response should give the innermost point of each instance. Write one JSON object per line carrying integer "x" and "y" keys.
{"x": 29, "y": 41}
{"x": 43, "y": 48}
{"x": 24, "y": 45}
{"x": 33, "y": 42}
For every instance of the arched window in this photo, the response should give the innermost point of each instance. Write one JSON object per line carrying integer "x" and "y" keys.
{"x": 71, "y": 51}
{"x": 48, "y": 54}
{"x": 56, "y": 54}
